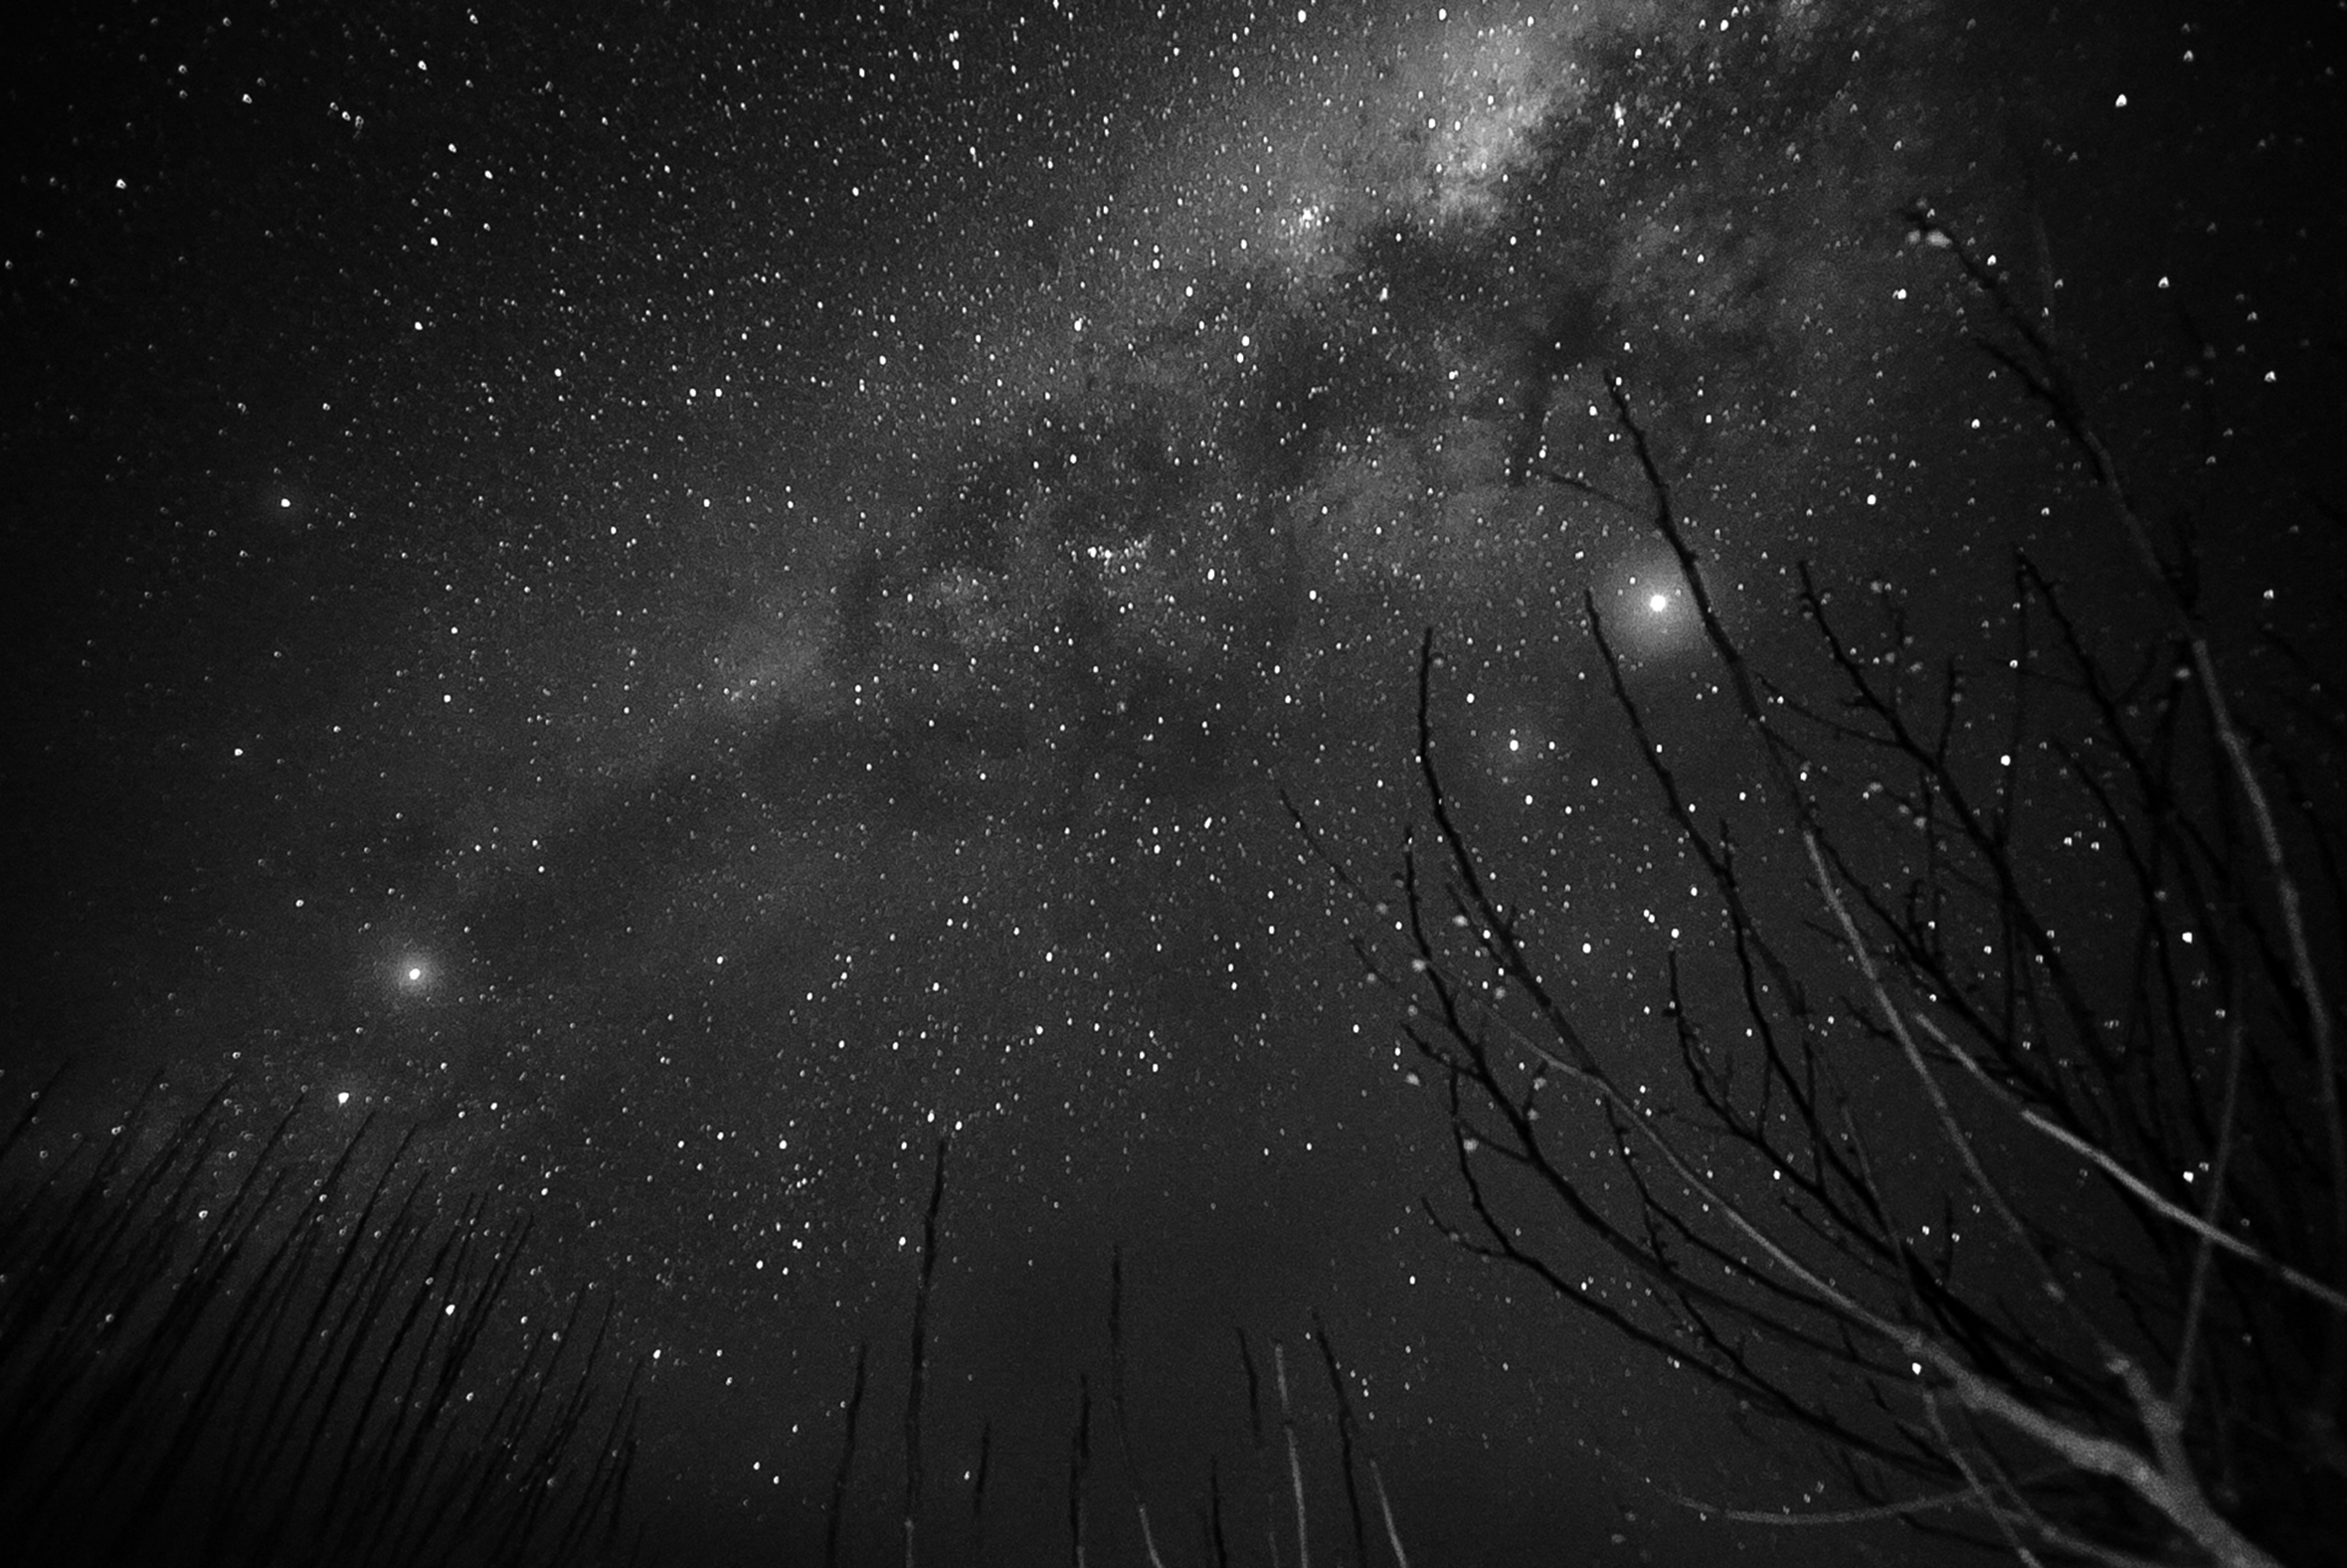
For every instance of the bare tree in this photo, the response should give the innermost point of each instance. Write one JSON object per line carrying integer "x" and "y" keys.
{"x": 2005, "y": 1157}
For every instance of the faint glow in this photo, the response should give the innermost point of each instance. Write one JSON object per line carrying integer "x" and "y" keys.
{"x": 1492, "y": 97}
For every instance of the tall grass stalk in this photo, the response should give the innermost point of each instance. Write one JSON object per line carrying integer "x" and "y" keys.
{"x": 216, "y": 1352}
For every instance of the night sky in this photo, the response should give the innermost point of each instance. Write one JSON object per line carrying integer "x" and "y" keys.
{"x": 687, "y": 597}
